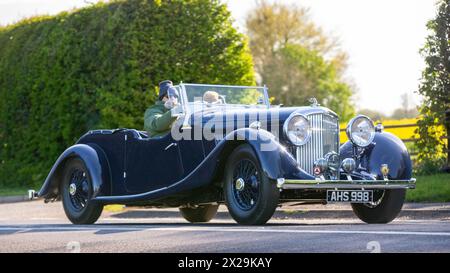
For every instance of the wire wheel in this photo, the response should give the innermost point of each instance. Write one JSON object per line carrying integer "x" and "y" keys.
{"x": 250, "y": 195}
{"x": 246, "y": 184}
{"x": 78, "y": 189}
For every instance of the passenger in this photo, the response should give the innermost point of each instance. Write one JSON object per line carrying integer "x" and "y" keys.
{"x": 211, "y": 97}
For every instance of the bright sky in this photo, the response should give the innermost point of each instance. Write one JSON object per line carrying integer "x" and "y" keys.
{"x": 382, "y": 38}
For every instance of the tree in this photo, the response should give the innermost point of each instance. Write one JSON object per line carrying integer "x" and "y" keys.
{"x": 99, "y": 67}
{"x": 295, "y": 59}
{"x": 272, "y": 26}
{"x": 408, "y": 110}
{"x": 406, "y": 102}
{"x": 308, "y": 75}
{"x": 401, "y": 113}
{"x": 435, "y": 89}
{"x": 373, "y": 114}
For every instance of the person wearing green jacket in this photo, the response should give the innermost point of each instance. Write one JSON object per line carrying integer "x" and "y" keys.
{"x": 158, "y": 118}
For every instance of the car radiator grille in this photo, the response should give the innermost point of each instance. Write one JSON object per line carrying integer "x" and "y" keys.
{"x": 324, "y": 139}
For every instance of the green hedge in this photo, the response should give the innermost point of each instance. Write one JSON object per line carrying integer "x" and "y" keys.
{"x": 99, "y": 67}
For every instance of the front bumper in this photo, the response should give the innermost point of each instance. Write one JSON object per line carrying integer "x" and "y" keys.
{"x": 287, "y": 184}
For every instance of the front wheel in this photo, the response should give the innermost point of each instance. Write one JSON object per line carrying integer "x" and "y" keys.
{"x": 388, "y": 205}
{"x": 199, "y": 214}
{"x": 251, "y": 197}
{"x": 76, "y": 190}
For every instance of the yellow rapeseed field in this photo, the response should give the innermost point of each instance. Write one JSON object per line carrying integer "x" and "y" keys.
{"x": 403, "y": 133}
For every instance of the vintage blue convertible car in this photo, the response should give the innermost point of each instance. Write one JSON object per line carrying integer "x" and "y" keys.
{"x": 230, "y": 146}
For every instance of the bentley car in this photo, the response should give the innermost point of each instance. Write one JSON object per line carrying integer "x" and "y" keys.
{"x": 229, "y": 146}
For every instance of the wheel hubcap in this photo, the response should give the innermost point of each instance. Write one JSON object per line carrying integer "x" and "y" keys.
{"x": 240, "y": 184}
{"x": 72, "y": 189}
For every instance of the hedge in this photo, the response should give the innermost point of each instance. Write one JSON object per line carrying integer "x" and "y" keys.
{"x": 98, "y": 67}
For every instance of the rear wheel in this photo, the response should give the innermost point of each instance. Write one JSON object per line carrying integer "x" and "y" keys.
{"x": 385, "y": 209}
{"x": 251, "y": 197}
{"x": 199, "y": 214}
{"x": 76, "y": 190}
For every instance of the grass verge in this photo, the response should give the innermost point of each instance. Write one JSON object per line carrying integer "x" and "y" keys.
{"x": 430, "y": 188}
{"x": 13, "y": 191}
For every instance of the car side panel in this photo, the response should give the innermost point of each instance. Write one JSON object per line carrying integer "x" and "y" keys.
{"x": 112, "y": 143}
{"x": 276, "y": 162}
{"x": 151, "y": 163}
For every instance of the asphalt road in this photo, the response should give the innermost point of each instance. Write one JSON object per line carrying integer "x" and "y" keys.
{"x": 38, "y": 227}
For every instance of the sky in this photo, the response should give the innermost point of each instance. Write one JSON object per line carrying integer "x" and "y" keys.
{"x": 381, "y": 37}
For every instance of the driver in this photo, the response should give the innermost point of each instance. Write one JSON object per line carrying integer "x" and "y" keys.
{"x": 158, "y": 118}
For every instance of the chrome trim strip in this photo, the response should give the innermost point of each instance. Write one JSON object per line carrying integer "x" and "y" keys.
{"x": 170, "y": 145}
{"x": 221, "y": 85}
{"x": 307, "y": 110}
{"x": 345, "y": 184}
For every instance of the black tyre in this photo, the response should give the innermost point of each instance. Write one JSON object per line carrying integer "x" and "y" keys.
{"x": 251, "y": 197}
{"x": 200, "y": 214}
{"x": 388, "y": 205}
{"x": 76, "y": 192}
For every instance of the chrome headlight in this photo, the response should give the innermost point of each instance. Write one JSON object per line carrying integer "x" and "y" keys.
{"x": 361, "y": 131}
{"x": 297, "y": 129}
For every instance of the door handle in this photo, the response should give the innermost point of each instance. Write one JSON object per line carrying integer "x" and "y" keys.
{"x": 170, "y": 145}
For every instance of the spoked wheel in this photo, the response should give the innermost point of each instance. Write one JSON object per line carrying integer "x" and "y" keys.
{"x": 76, "y": 191}
{"x": 251, "y": 197}
{"x": 246, "y": 184}
{"x": 385, "y": 208}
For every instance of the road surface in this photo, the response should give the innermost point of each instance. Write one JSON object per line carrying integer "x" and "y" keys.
{"x": 38, "y": 227}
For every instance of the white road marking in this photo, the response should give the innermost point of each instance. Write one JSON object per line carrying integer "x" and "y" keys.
{"x": 216, "y": 229}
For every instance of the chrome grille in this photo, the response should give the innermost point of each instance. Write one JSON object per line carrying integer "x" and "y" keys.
{"x": 324, "y": 139}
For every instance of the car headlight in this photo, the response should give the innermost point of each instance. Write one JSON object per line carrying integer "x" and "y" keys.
{"x": 297, "y": 129}
{"x": 361, "y": 131}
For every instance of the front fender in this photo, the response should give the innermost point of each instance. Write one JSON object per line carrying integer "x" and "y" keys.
{"x": 275, "y": 160}
{"x": 386, "y": 149}
{"x": 95, "y": 161}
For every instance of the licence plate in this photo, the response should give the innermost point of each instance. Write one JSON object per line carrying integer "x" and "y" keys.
{"x": 350, "y": 196}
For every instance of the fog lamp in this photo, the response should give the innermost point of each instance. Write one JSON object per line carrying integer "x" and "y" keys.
{"x": 348, "y": 165}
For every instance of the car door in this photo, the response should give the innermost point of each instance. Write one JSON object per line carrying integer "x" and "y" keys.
{"x": 151, "y": 163}
{"x": 192, "y": 145}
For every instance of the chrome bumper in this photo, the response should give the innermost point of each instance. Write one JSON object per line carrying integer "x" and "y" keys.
{"x": 287, "y": 184}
